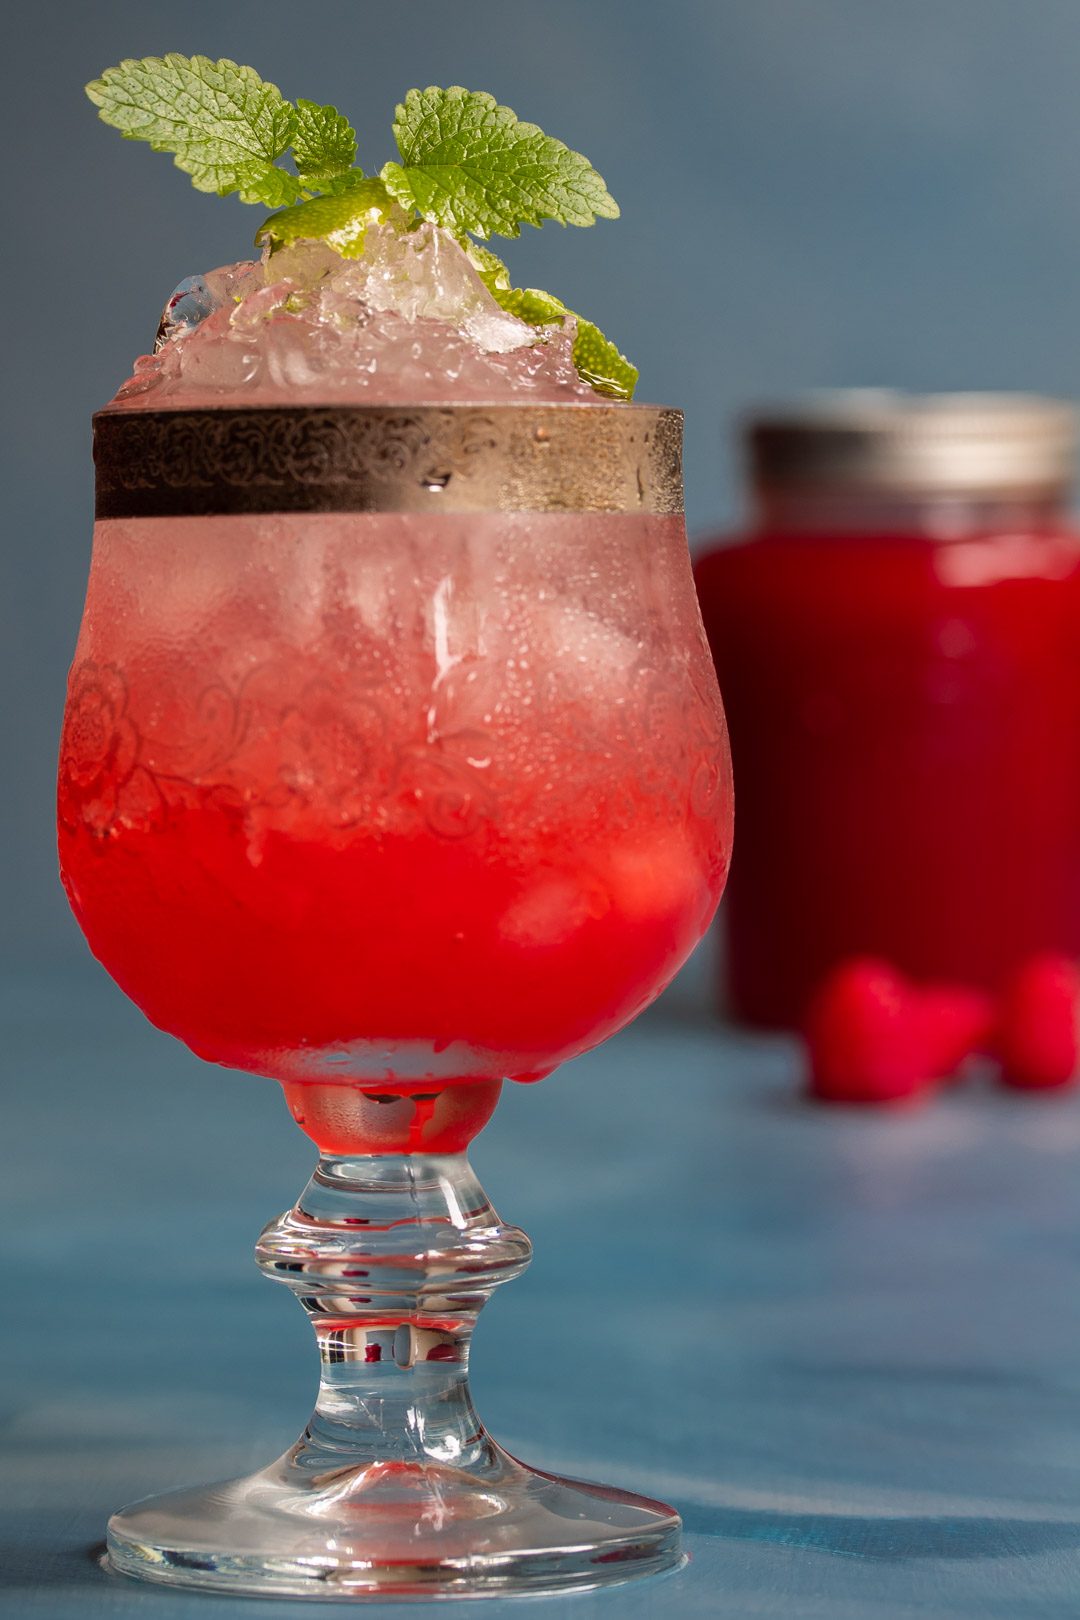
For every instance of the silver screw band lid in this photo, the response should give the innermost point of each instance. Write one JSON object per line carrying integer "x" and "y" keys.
{"x": 877, "y": 441}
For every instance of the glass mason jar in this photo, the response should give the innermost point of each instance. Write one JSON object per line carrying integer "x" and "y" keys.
{"x": 393, "y": 764}
{"x": 898, "y": 640}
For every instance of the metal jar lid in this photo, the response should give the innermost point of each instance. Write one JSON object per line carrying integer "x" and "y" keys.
{"x": 873, "y": 441}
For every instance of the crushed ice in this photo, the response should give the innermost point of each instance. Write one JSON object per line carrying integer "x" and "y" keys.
{"x": 408, "y": 321}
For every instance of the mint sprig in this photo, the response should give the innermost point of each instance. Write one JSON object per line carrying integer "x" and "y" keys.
{"x": 225, "y": 126}
{"x": 323, "y": 145}
{"x": 466, "y": 164}
{"x": 471, "y": 165}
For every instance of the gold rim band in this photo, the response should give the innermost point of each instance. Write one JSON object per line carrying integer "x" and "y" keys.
{"x": 379, "y": 458}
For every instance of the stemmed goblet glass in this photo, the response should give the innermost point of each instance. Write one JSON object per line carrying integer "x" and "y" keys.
{"x": 393, "y": 765}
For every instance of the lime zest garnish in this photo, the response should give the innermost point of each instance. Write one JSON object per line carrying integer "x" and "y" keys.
{"x": 597, "y": 360}
{"x": 340, "y": 218}
{"x": 488, "y": 266}
{"x": 467, "y": 164}
{"x": 601, "y": 364}
{"x": 530, "y": 304}
{"x": 470, "y": 165}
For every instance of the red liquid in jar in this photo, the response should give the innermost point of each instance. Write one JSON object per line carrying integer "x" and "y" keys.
{"x": 905, "y": 723}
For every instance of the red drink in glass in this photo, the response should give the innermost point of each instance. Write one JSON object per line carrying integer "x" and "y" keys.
{"x": 385, "y": 798}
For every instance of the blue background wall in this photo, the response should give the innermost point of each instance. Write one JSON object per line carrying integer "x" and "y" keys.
{"x": 814, "y": 192}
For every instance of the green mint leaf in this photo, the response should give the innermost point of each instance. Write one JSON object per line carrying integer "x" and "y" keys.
{"x": 596, "y": 358}
{"x": 324, "y": 144}
{"x": 471, "y": 165}
{"x": 339, "y": 219}
{"x": 224, "y": 125}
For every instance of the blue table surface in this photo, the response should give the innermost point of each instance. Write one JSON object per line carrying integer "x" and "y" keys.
{"x": 846, "y": 1346}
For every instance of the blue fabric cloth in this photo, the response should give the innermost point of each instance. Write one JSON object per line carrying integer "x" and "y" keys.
{"x": 846, "y": 1346}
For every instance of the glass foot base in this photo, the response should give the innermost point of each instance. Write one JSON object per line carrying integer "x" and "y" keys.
{"x": 396, "y": 1530}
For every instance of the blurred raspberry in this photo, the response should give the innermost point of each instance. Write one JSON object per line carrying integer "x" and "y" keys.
{"x": 1038, "y": 1032}
{"x": 866, "y": 1035}
{"x": 957, "y": 1022}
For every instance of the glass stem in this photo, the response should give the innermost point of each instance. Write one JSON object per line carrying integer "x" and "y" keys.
{"x": 394, "y": 1489}
{"x": 392, "y": 1257}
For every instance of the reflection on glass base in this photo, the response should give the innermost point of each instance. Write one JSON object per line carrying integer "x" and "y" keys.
{"x": 395, "y": 1488}
{"x": 396, "y": 1530}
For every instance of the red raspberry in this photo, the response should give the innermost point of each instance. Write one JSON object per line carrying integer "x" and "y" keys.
{"x": 1038, "y": 1032}
{"x": 957, "y": 1022}
{"x": 866, "y": 1036}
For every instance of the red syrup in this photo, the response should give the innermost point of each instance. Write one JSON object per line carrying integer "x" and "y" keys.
{"x": 905, "y": 722}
